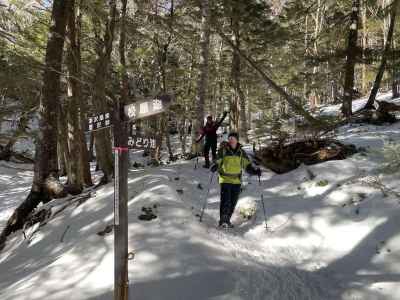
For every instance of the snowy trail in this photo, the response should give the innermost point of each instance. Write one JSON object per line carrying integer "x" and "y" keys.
{"x": 224, "y": 258}
{"x": 177, "y": 257}
{"x": 336, "y": 240}
{"x": 15, "y": 180}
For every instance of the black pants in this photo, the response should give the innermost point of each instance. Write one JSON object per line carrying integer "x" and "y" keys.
{"x": 210, "y": 144}
{"x": 229, "y": 198}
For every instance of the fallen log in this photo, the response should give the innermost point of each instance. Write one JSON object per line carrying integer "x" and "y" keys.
{"x": 285, "y": 158}
{"x": 384, "y": 106}
{"x": 382, "y": 115}
{"x": 21, "y": 219}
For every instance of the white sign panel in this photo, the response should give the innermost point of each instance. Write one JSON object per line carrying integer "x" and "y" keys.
{"x": 99, "y": 122}
{"x": 146, "y": 108}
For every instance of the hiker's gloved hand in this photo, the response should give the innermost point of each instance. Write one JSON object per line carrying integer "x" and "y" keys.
{"x": 253, "y": 171}
{"x": 214, "y": 168}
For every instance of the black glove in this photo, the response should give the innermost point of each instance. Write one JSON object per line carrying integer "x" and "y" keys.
{"x": 253, "y": 171}
{"x": 225, "y": 113}
{"x": 214, "y": 168}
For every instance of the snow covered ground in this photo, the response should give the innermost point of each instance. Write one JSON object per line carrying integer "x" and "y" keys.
{"x": 329, "y": 110}
{"x": 332, "y": 234}
{"x": 15, "y": 182}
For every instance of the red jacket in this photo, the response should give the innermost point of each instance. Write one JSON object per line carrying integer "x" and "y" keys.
{"x": 209, "y": 130}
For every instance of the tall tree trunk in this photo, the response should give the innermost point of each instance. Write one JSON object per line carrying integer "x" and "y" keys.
{"x": 182, "y": 133}
{"x": 162, "y": 58}
{"x": 82, "y": 103}
{"x": 385, "y": 23}
{"x": 122, "y": 54}
{"x": 185, "y": 116}
{"x": 382, "y": 67}
{"x": 165, "y": 129}
{"x": 91, "y": 147}
{"x": 306, "y": 85}
{"x": 47, "y": 147}
{"x": 46, "y": 162}
{"x": 74, "y": 97}
{"x": 65, "y": 160}
{"x": 203, "y": 69}
{"x": 240, "y": 99}
{"x": 61, "y": 153}
{"x": 85, "y": 155}
{"x": 314, "y": 97}
{"x": 364, "y": 46}
{"x": 395, "y": 73}
{"x": 249, "y": 119}
{"x": 103, "y": 137}
{"x": 220, "y": 79}
{"x": 351, "y": 60}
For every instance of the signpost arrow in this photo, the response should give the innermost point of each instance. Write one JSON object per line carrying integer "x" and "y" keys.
{"x": 148, "y": 107}
{"x": 134, "y": 111}
{"x": 99, "y": 121}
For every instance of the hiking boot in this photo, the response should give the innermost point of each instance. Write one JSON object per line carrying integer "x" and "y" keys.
{"x": 225, "y": 225}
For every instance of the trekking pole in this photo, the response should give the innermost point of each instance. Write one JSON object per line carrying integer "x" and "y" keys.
{"x": 196, "y": 165}
{"x": 196, "y": 162}
{"x": 262, "y": 202}
{"x": 205, "y": 200}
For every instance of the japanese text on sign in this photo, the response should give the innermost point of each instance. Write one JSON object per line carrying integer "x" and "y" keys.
{"x": 99, "y": 121}
{"x": 147, "y": 107}
{"x": 130, "y": 111}
{"x": 157, "y": 104}
{"x": 144, "y": 108}
{"x": 140, "y": 142}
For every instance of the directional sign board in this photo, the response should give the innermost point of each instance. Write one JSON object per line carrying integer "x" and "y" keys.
{"x": 142, "y": 142}
{"x": 99, "y": 121}
{"x": 146, "y": 108}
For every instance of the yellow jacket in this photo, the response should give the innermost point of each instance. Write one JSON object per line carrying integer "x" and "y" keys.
{"x": 231, "y": 162}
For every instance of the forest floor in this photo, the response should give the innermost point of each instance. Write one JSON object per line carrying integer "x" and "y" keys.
{"x": 332, "y": 234}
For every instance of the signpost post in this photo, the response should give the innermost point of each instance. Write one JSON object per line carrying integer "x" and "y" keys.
{"x": 122, "y": 143}
{"x": 121, "y": 162}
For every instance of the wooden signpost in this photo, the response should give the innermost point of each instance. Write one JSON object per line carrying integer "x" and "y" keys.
{"x": 134, "y": 111}
{"x": 120, "y": 120}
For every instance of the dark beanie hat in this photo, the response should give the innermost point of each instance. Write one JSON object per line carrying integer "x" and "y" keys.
{"x": 233, "y": 134}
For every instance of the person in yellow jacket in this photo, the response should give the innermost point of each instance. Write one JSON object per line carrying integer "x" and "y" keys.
{"x": 231, "y": 160}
